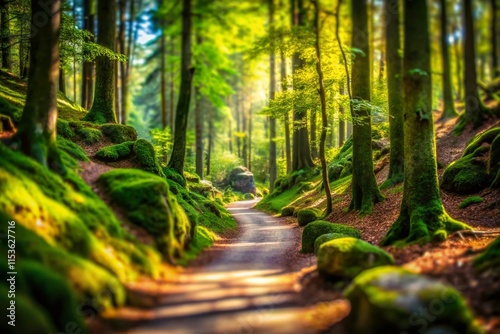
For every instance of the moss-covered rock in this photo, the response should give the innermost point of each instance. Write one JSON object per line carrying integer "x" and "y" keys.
{"x": 347, "y": 257}
{"x": 287, "y": 211}
{"x": 481, "y": 138}
{"x": 87, "y": 132}
{"x": 468, "y": 174}
{"x": 116, "y": 152}
{"x": 148, "y": 203}
{"x": 190, "y": 177}
{"x": 490, "y": 258}
{"x": 308, "y": 215}
{"x": 393, "y": 300}
{"x": 146, "y": 158}
{"x": 119, "y": 133}
{"x": 470, "y": 201}
{"x": 64, "y": 129}
{"x": 74, "y": 150}
{"x": 315, "y": 229}
{"x": 172, "y": 174}
{"x": 325, "y": 238}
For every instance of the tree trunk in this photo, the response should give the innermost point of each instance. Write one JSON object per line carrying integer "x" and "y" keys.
{"x": 324, "y": 116}
{"x": 198, "y": 119}
{"x": 250, "y": 135}
{"x": 448, "y": 104}
{"x": 6, "y": 39}
{"x": 210, "y": 139}
{"x": 475, "y": 109}
{"x": 163, "y": 82}
{"x": 88, "y": 67}
{"x": 37, "y": 133}
{"x": 395, "y": 92}
{"x": 273, "y": 169}
{"x": 239, "y": 123}
{"x": 458, "y": 64}
{"x": 314, "y": 139}
{"x": 62, "y": 81}
{"x": 342, "y": 133}
{"x": 103, "y": 107}
{"x": 187, "y": 72}
{"x": 494, "y": 40}
{"x": 286, "y": 117}
{"x": 172, "y": 90}
{"x": 422, "y": 216}
{"x": 301, "y": 150}
{"x": 122, "y": 49}
{"x": 365, "y": 192}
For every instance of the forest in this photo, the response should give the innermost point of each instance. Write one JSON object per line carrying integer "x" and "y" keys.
{"x": 265, "y": 166}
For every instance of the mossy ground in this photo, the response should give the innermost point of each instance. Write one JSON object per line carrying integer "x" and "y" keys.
{"x": 116, "y": 152}
{"x": 470, "y": 201}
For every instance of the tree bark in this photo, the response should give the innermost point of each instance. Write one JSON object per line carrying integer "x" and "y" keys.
{"x": 37, "y": 133}
{"x": 172, "y": 90}
{"x": 422, "y": 216}
{"x": 475, "y": 110}
{"x": 88, "y": 67}
{"x": 5, "y": 39}
{"x": 286, "y": 117}
{"x": 342, "y": 129}
{"x": 458, "y": 64}
{"x": 365, "y": 192}
{"x": 324, "y": 116}
{"x": 163, "y": 79}
{"x": 211, "y": 135}
{"x": 448, "y": 104}
{"x": 121, "y": 81}
{"x": 198, "y": 119}
{"x": 187, "y": 72}
{"x": 273, "y": 169}
{"x": 244, "y": 130}
{"x": 62, "y": 81}
{"x": 314, "y": 139}
{"x": 494, "y": 40}
{"x": 395, "y": 92}
{"x": 301, "y": 149}
{"x": 103, "y": 107}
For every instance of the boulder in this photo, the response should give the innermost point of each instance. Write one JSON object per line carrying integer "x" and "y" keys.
{"x": 308, "y": 215}
{"x": 315, "y": 229}
{"x": 468, "y": 174}
{"x": 348, "y": 257}
{"x": 325, "y": 238}
{"x": 392, "y": 300}
{"x": 241, "y": 179}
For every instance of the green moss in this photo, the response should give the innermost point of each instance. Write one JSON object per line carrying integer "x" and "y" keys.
{"x": 146, "y": 158}
{"x": 194, "y": 178}
{"x": 249, "y": 196}
{"x": 172, "y": 174}
{"x": 64, "y": 129}
{"x": 325, "y": 238}
{"x": 392, "y": 300}
{"x": 481, "y": 138}
{"x": 119, "y": 133}
{"x": 315, "y": 229}
{"x": 490, "y": 258}
{"x": 89, "y": 135}
{"x": 203, "y": 238}
{"x": 74, "y": 150}
{"x": 147, "y": 201}
{"x": 347, "y": 257}
{"x": 469, "y": 201}
{"x": 305, "y": 216}
{"x": 467, "y": 174}
{"x": 14, "y": 112}
{"x": 287, "y": 211}
{"x": 116, "y": 152}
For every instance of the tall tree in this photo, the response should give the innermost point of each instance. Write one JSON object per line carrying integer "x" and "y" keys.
{"x": 494, "y": 39}
{"x": 448, "y": 104}
{"x": 301, "y": 149}
{"x": 88, "y": 66}
{"x": 341, "y": 115}
{"x": 395, "y": 90}
{"x": 324, "y": 115}
{"x": 273, "y": 169}
{"x": 286, "y": 116}
{"x": 163, "y": 78}
{"x": 5, "y": 39}
{"x": 365, "y": 192}
{"x": 422, "y": 216}
{"x": 103, "y": 107}
{"x": 198, "y": 120}
{"x": 187, "y": 72}
{"x": 475, "y": 110}
{"x": 37, "y": 132}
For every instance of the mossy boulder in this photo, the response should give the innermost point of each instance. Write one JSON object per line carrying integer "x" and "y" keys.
{"x": 468, "y": 174}
{"x": 325, "y": 238}
{"x": 116, "y": 152}
{"x": 348, "y": 257}
{"x": 392, "y": 300}
{"x": 148, "y": 203}
{"x": 119, "y": 133}
{"x": 490, "y": 258}
{"x": 172, "y": 174}
{"x": 315, "y": 229}
{"x": 191, "y": 177}
{"x": 287, "y": 211}
{"x": 470, "y": 201}
{"x": 87, "y": 132}
{"x": 145, "y": 157}
{"x": 64, "y": 129}
{"x": 308, "y": 215}
{"x": 74, "y": 150}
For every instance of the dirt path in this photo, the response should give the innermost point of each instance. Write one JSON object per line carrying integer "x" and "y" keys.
{"x": 249, "y": 286}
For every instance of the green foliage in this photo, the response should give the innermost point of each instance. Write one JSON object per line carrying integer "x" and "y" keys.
{"x": 119, "y": 133}
{"x": 315, "y": 229}
{"x": 162, "y": 142}
{"x": 222, "y": 165}
{"x": 308, "y": 215}
{"x": 348, "y": 257}
{"x": 148, "y": 203}
{"x": 74, "y": 150}
{"x": 116, "y": 152}
{"x": 469, "y": 201}
{"x": 146, "y": 158}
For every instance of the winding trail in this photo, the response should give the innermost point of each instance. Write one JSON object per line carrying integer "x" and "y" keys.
{"x": 249, "y": 286}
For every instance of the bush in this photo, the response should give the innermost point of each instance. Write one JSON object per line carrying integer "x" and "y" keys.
{"x": 315, "y": 229}
{"x": 116, "y": 152}
{"x": 119, "y": 133}
{"x": 305, "y": 216}
{"x": 469, "y": 201}
{"x": 287, "y": 211}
